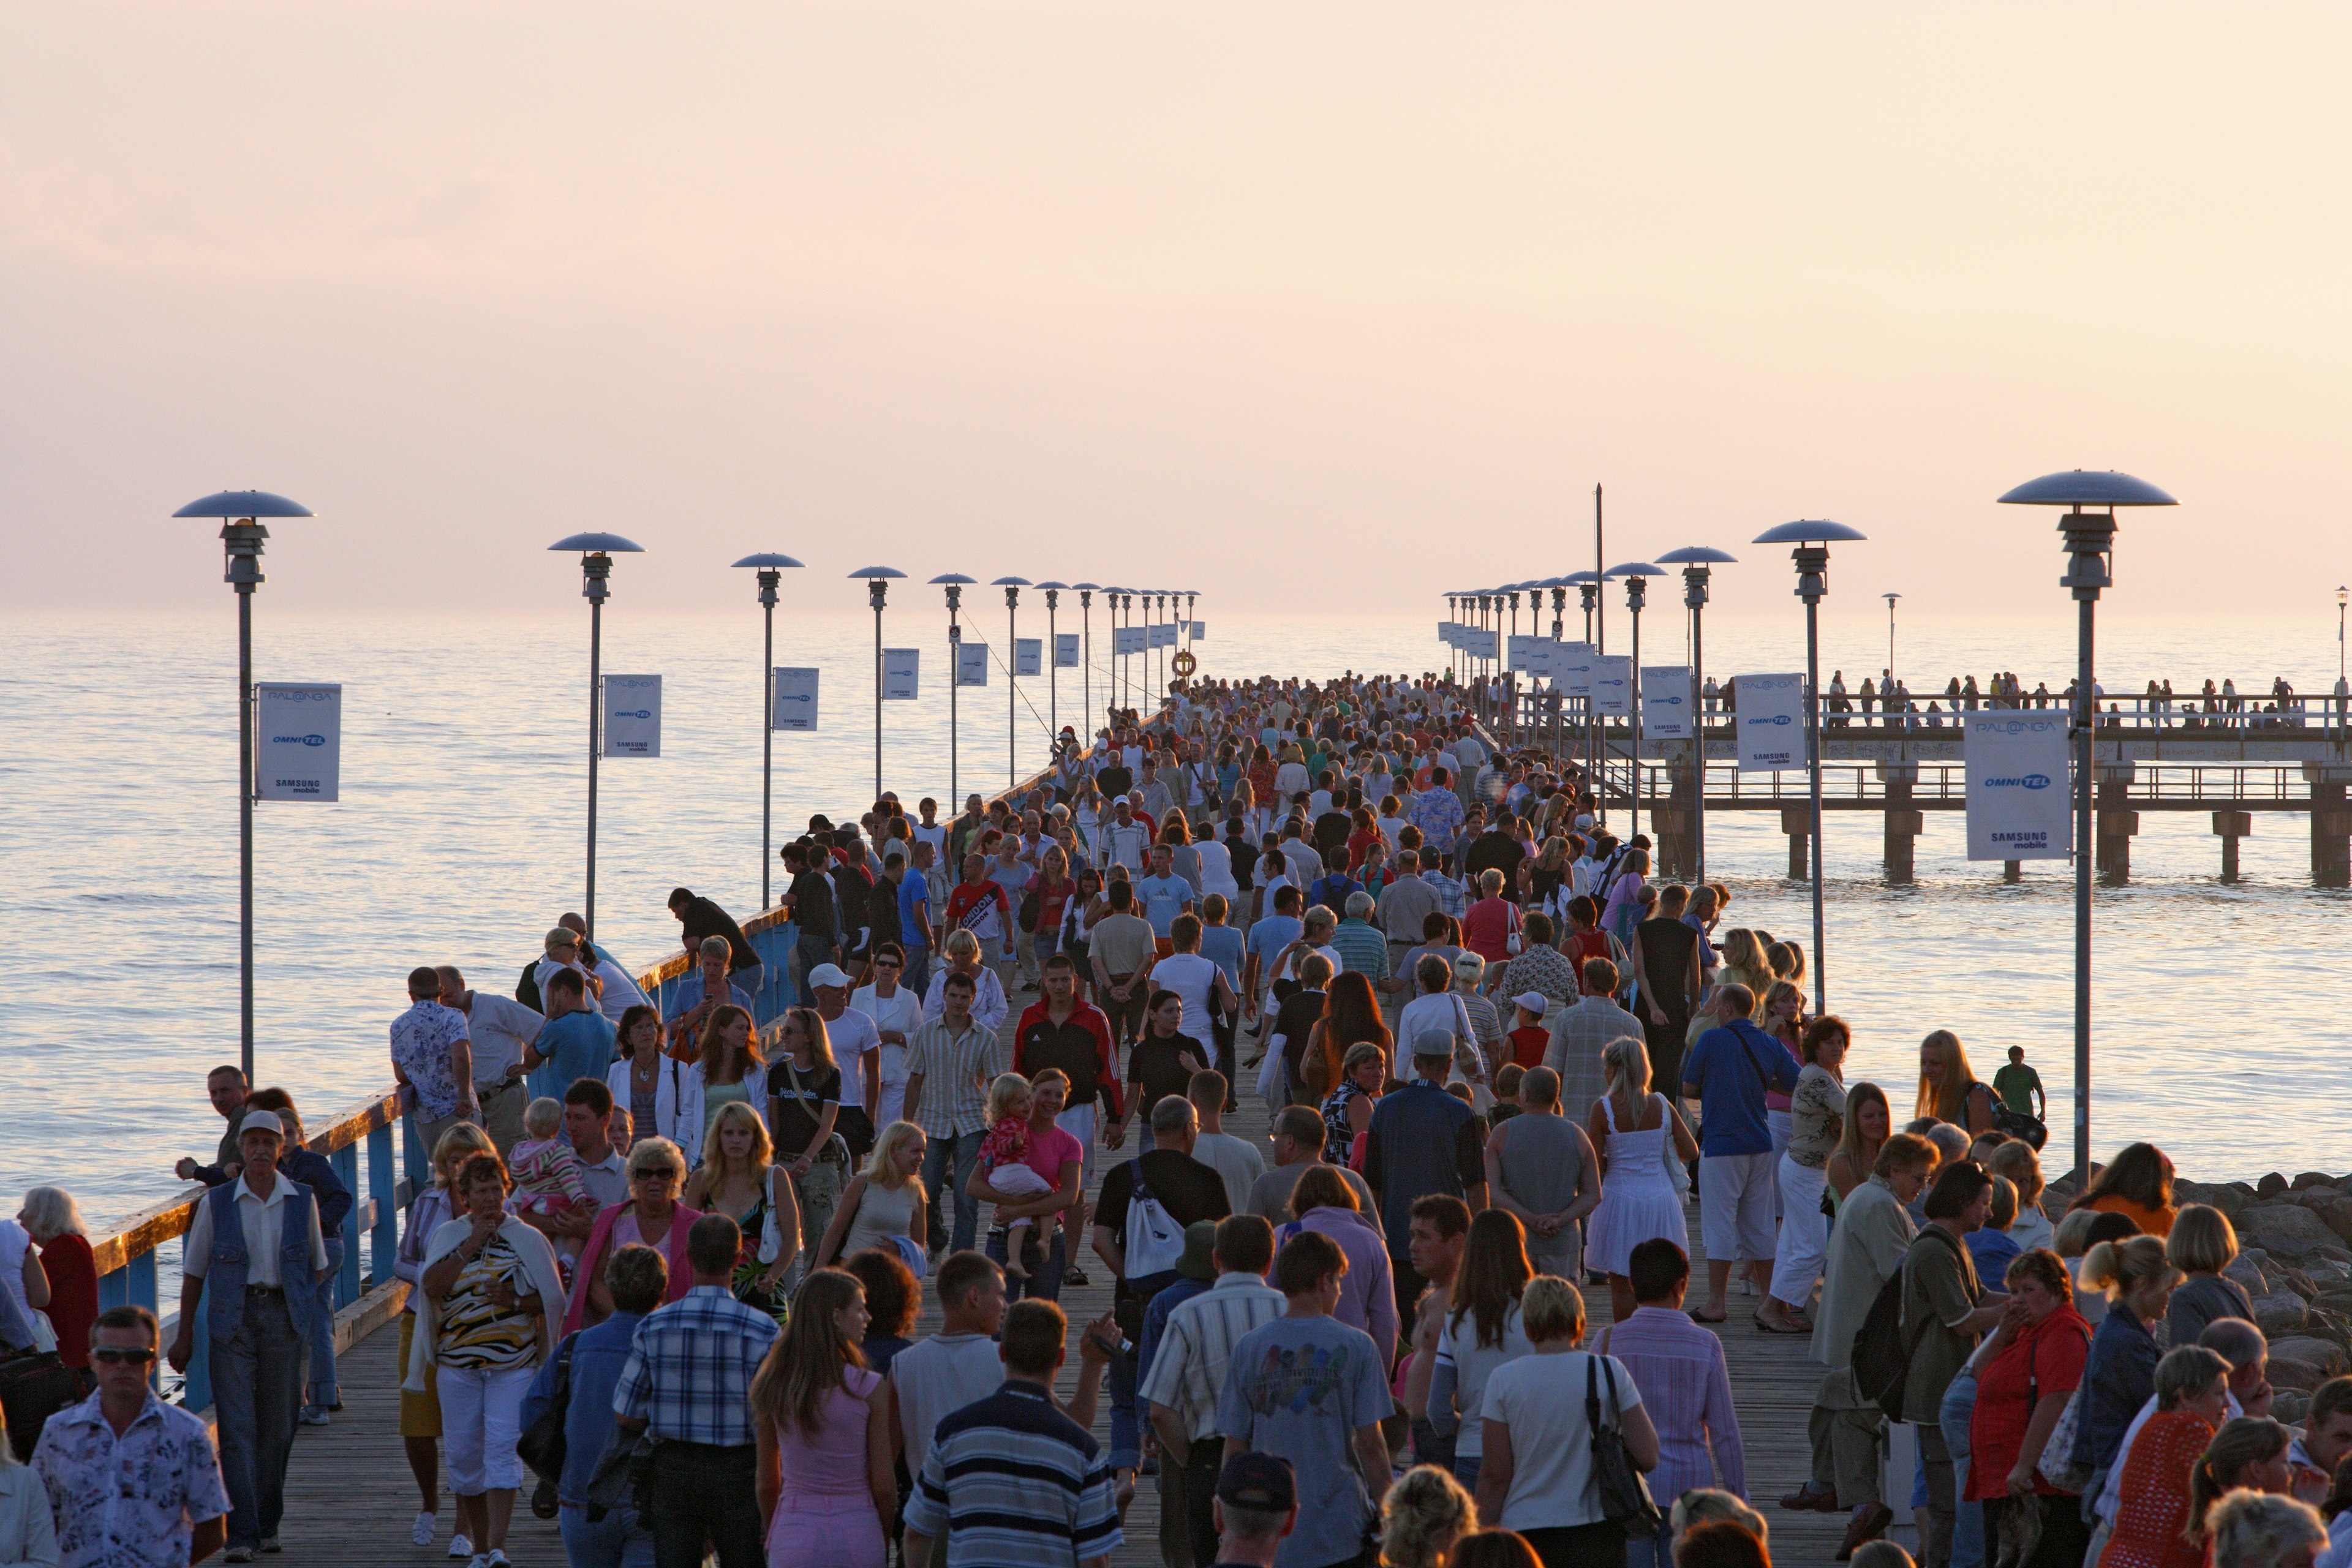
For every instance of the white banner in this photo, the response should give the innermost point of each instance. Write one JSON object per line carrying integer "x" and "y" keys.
{"x": 1450, "y": 632}
{"x": 1771, "y": 722}
{"x": 2019, "y": 807}
{"x": 1572, "y": 666}
{"x": 1521, "y": 647}
{"x": 1612, "y": 684}
{"x": 1066, "y": 650}
{"x": 902, "y": 674}
{"x": 298, "y": 741}
{"x": 633, "y": 715}
{"x": 1196, "y": 631}
{"x": 1028, "y": 656}
{"x": 1483, "y": 643}
{"x": 1163, "y": 634}
{"x": 1127, "y": 641}
{"x": 1665, "y": 702}
{"x": 971, "y": 664}
{"x": 793, "y": 699}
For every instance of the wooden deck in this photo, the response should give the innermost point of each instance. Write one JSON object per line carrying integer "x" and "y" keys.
{"x": 351, "y": 1499}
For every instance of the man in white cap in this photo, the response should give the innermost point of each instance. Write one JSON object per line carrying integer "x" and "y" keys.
{"x": 259, "y": 1316}
{"x": 856, "y": 1042}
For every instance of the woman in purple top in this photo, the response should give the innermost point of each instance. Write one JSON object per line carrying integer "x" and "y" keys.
{"x": 822, "y": 1420}
{"x": 1326, "y": 1205}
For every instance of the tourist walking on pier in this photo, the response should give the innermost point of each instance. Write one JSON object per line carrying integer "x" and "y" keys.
{"x": 687, "y": 1384}
{"x": 1816, "y": 1123}
{"x": 949, "y": 1068}
{"x": 825, "y": 1485}
{"x": 499, "y": 1031}
{"x": 653, "y": 1217}
{"x": 126, "y": 1479}
{"x": 1729, "y": 1072}
{"x": 258, "y": 1241}
{"x": 1638, "y": 1138}
{"x": 586, "y": 1365}
{"x": 432, "y": 1059}
{"x": 51, "y": 1218}
{"x": 226, "y": 1088}
{"x": 1541, "y": 1167}
{"x": 1945, "y": 1299}
{"x": 700, "y": 994}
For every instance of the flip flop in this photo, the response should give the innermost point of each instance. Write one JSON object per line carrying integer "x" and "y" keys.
{"x": 1758, "y": 1318}
{"x": 1699, "y": 1317}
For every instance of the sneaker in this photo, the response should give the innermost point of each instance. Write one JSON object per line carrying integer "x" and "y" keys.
{"x": 461, "y": 1547}
{"x": 313, "y": 1416}
{"x": 421, "y": 1533}
{"x": 479, "y": 1561}
{"x": 269, "y": 1543}
{"x": 498, "y": 1558}
{"x": 237, "y": 1555}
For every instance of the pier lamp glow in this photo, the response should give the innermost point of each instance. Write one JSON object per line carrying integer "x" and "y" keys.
{"x": 1636, "y": 575}
{"x": 596, "y": 552}
{"x": 878, "y": 591}
{"x": 1087, "y": 592}
{"x": 772, "y": 568}
{"x": 2090, "y": 541}
{"x": 242, "y": 530}
{"x": 1011, "y": 587}
{"x": 1813, "y": 538}
{"x": 955, "y": 582}
{"x": 1698, "y": 563}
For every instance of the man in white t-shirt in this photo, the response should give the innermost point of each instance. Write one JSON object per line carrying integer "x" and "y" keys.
{"x": 955, "y": 1367}
{"x": 1238, "y": 1162}
{"x": 897, "y": 1012}
{"x": 856, "y": 1039}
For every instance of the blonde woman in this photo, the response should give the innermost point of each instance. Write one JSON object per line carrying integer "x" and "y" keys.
{"x": 1745, "y": 963}
{"x": 1948, "y": 1092}
{"x": 1424, "y": 1514}
{"x": 726, "y": 1067}
{"x": 1632, "y": 1129}
{"x": 738, "y": 1178}
{"x": 2203, "y": 1244}
{"x": 1868, "y": 1120}
{"x": 885, "y": 1205}
{"x": 803, "y": 1101}
{"x": 420, "y": 1408}
{"x": 2017, "y": 1161}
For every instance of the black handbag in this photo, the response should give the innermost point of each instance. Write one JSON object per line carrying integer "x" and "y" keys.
{"x": 1625, "y": 1498}
{"x": 34, "y": 1386}
{"x": 542, "y": 1444}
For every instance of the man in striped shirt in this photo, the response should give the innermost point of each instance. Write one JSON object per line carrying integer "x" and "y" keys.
{"x": 1190, "y": 1363}
{"x": 1361, "y": 947}
{"x": 1010, "y": 1481}
{"x": 950, "y": 1065}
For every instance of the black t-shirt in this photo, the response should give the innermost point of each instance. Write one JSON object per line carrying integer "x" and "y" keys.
{"x": 704, "y": 919}
{"x": 1295, "y": 1020}
{"x": 797, "y": 1111}
{"x": 1331, "y": 831}
{"x": 1187, "y": 1188}
{"x": 1496, "y": 852}
{"x": 1114, "y": 782}
{"x": 1152, "y": 1062}
{"x": 813, "y": 906}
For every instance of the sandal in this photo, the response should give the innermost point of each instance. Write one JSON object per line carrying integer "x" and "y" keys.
{"x": 1763, "y": 1326}
{"x": 1699, "y": 1317}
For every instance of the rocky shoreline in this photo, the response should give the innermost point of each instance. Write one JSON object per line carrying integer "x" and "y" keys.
{"x": 2295, "y": 1260}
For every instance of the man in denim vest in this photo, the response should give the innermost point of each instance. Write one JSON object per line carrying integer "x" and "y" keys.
{"x": 257, "y": 1244}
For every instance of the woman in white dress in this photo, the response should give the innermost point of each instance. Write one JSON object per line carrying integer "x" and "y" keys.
{"x": 1630, "y": 1127}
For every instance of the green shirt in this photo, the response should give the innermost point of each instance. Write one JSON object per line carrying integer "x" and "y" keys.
{"x": 2017, "y": 1084}
{"x": 1940, "y": 1289}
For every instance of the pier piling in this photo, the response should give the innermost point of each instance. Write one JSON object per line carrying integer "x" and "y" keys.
{"x": 2331, "y": 826}
{"x": 2230, "y": 826}
{"x": 1797, "y": 822}
{"x": 2118, "y": 825}
{"x": 1904, "y": 822}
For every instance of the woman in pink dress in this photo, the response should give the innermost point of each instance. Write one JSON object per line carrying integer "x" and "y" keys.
{"x": 827, "y": 1486}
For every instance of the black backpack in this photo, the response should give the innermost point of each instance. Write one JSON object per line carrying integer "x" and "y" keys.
{"x": 1882, "y": 1347}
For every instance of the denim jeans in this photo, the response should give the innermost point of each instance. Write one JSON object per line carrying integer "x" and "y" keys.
{"x": 1043, "y": 1284}
{"x": 320, "y": 1391}
{"x": 256, "y": 1395}
{"x": 617, "y": 1541}
{"x": 1654, "y": 1551}
{"x": 1959, "y": 1409}
{"x": 917, "y": 975}
{"x": 960, "y": 1154}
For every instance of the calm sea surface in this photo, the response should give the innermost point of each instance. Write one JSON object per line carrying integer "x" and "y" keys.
{"x": 458, "y": 839}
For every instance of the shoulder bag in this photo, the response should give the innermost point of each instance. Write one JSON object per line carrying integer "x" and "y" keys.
{"x": 542, "y": 1445}
{"x": 1625, "y": 1499}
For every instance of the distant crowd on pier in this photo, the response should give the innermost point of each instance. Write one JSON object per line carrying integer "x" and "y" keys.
{"x": 664, "y": 1283}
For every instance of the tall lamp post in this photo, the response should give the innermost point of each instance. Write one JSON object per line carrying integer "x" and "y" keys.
{"x": 1011, "y": 587}
{"x": 242, "y": 532}
{"x": 596, "y": 552}
{"x": 954, "y": 582}
{"x": 2343, "y": 688}
{"x": 1697, "y": 562}
{"x": 2090, "y": 539}
{"x": 878, "y": 589}
{"x": 1588, "y": 590}
{"x": 1890, "y": 599}
{"x": 1087, "y": 592}
{"x": 772, "y": 568}
{"x": 1052, "y": 591}
{"x": 1813, "y": 538}
{"x": 1637, "y": 591}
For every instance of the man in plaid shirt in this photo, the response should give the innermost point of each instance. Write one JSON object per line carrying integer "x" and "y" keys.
{"x": 687, "y": 1383}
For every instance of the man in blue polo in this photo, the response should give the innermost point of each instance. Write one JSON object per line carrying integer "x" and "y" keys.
{"x": 1162, "y": 896}
{"x": 1727, "y": 1072}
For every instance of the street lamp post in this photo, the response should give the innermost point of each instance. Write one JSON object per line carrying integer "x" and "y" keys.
{"x": 1052, "y": 591}
{"x": 954, "y": 582}
{"x": 1011, "y": 587}
{"x": 1588, "y": 590}
{"x": 2090, "y": 539}
{"x": 772, "y": 571}
{"x": 2343, "y": 688}
{"x": 1637, "y": 591}
{"x": 1813, "y": 538}
{"x": 877, "y": 588}
{"x": 242, "y": 533}
{"x": 1890, "y": 599}
{"x": 1697, "y": 562}
{"x": 596, "y": 552}
{"x": 1087, "y": 592}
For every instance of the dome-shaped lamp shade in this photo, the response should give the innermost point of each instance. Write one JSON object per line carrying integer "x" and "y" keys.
{"x": 599, "y": 544}
{"x": 1050, "y": 583}
{"x": 2087, "y": 487}
{"x": 1809, "y": 531}
{"x": 1636, "y": 569}
{"x": 1008, "y": 582}
{"x": 877, "y": 571}
{"x": 767, "y": 559}
{"x": 235, "y": 504}
{"x": 1088, "y": 587}
{"x": 1574, "y": 578}
{"x": 954, "y": 577}
{"x": 1697, "y": 555}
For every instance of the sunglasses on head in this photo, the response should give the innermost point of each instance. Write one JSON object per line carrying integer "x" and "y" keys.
{"x": 113, "y": 1356}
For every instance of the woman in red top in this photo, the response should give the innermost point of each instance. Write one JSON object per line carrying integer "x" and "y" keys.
{"x": 1488, "y": 925}
{"x": 1261, "y": 775}
{"x": 1053, "y": 891}
{"x": 51, "y": 1218}
{"x": 1586, "y": 939}
{"x": 2028, "y": 1367}
{"x": 1362, "y": 837}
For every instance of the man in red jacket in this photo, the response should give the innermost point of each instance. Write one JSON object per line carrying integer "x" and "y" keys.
{"x": 1058, "y": 1030}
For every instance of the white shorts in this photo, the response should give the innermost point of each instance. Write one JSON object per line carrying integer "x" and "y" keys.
{"x": 1735, "y": 1207}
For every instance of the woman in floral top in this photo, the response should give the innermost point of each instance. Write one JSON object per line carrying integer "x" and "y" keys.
{"x": 1816, "y": 1120}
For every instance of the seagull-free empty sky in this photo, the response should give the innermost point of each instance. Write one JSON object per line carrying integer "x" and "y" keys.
{"x": 1304, "y": 305}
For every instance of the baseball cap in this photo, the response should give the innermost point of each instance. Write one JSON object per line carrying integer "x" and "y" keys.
{"x": 827, "y": 974}
{"x": 1258, "y": 1480}
{"x": 261, "y": 1121}
{"x": 1533, "y": 1001}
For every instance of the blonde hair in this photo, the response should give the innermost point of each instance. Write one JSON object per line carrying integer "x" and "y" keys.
{"x": 2017, "y": 1161}
{"x": 1947, "y": 1100}
{"x": 1426, "y": 1512}
{"x": 543, "y": 1117}
{"x": 1551, "y": 1308}
{"x": 49, "y": 1213}
{"x": 657, "y": 1155}
{"x": 2121, "y": 1266}
{"x": 715, "y": 1168}
{"x": 1001, "y": 1092}
{"x": 962, "y": 943}
{"x": 466, "y": 1138}
{"x": 1626, "y": 1060}
{"x": 882, "y": 1166}
{"x": 1705, "y": 1505}
{"x": 2202, "y": 1241}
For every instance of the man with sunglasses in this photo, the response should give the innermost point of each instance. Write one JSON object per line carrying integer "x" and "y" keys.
{"x": 129, "y": 1478}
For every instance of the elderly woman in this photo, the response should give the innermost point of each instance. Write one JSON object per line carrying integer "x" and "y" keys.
{"x": 987, "y": 1003}
{"x": 2025, "y": 1371}
{"x": 52, "y": 1219}
{"x": 652, "y": 1216}
{"x": 490, "y": 1287}
{"x": 645, "y": 1082}
{"x": 420, "y": 1408}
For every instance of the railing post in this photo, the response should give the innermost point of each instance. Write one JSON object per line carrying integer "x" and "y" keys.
{"x": 197, "y": 1394}
{"x": 415, "y": 1160}
{"x": 346, "y": 1161}
{"x": 384, "y": 1190}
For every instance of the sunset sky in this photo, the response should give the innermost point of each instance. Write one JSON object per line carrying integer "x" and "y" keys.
{"x": 1309, "y": 305}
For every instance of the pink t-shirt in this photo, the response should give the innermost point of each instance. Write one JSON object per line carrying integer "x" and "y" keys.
{"x": 1049, "y": 1150}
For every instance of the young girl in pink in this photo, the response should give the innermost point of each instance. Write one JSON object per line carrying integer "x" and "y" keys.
{"x": 547, "y": 1175}
{"x": 1002, "y": 1154}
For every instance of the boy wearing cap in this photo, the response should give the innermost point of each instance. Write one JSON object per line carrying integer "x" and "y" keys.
{"x": 1529, "y": 1037}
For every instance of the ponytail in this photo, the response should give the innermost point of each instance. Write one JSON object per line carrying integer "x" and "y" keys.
{"x": 2248, "y": 1440}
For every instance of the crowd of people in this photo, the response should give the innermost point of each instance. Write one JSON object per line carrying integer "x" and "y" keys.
{"x": 665, "y": 1278}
